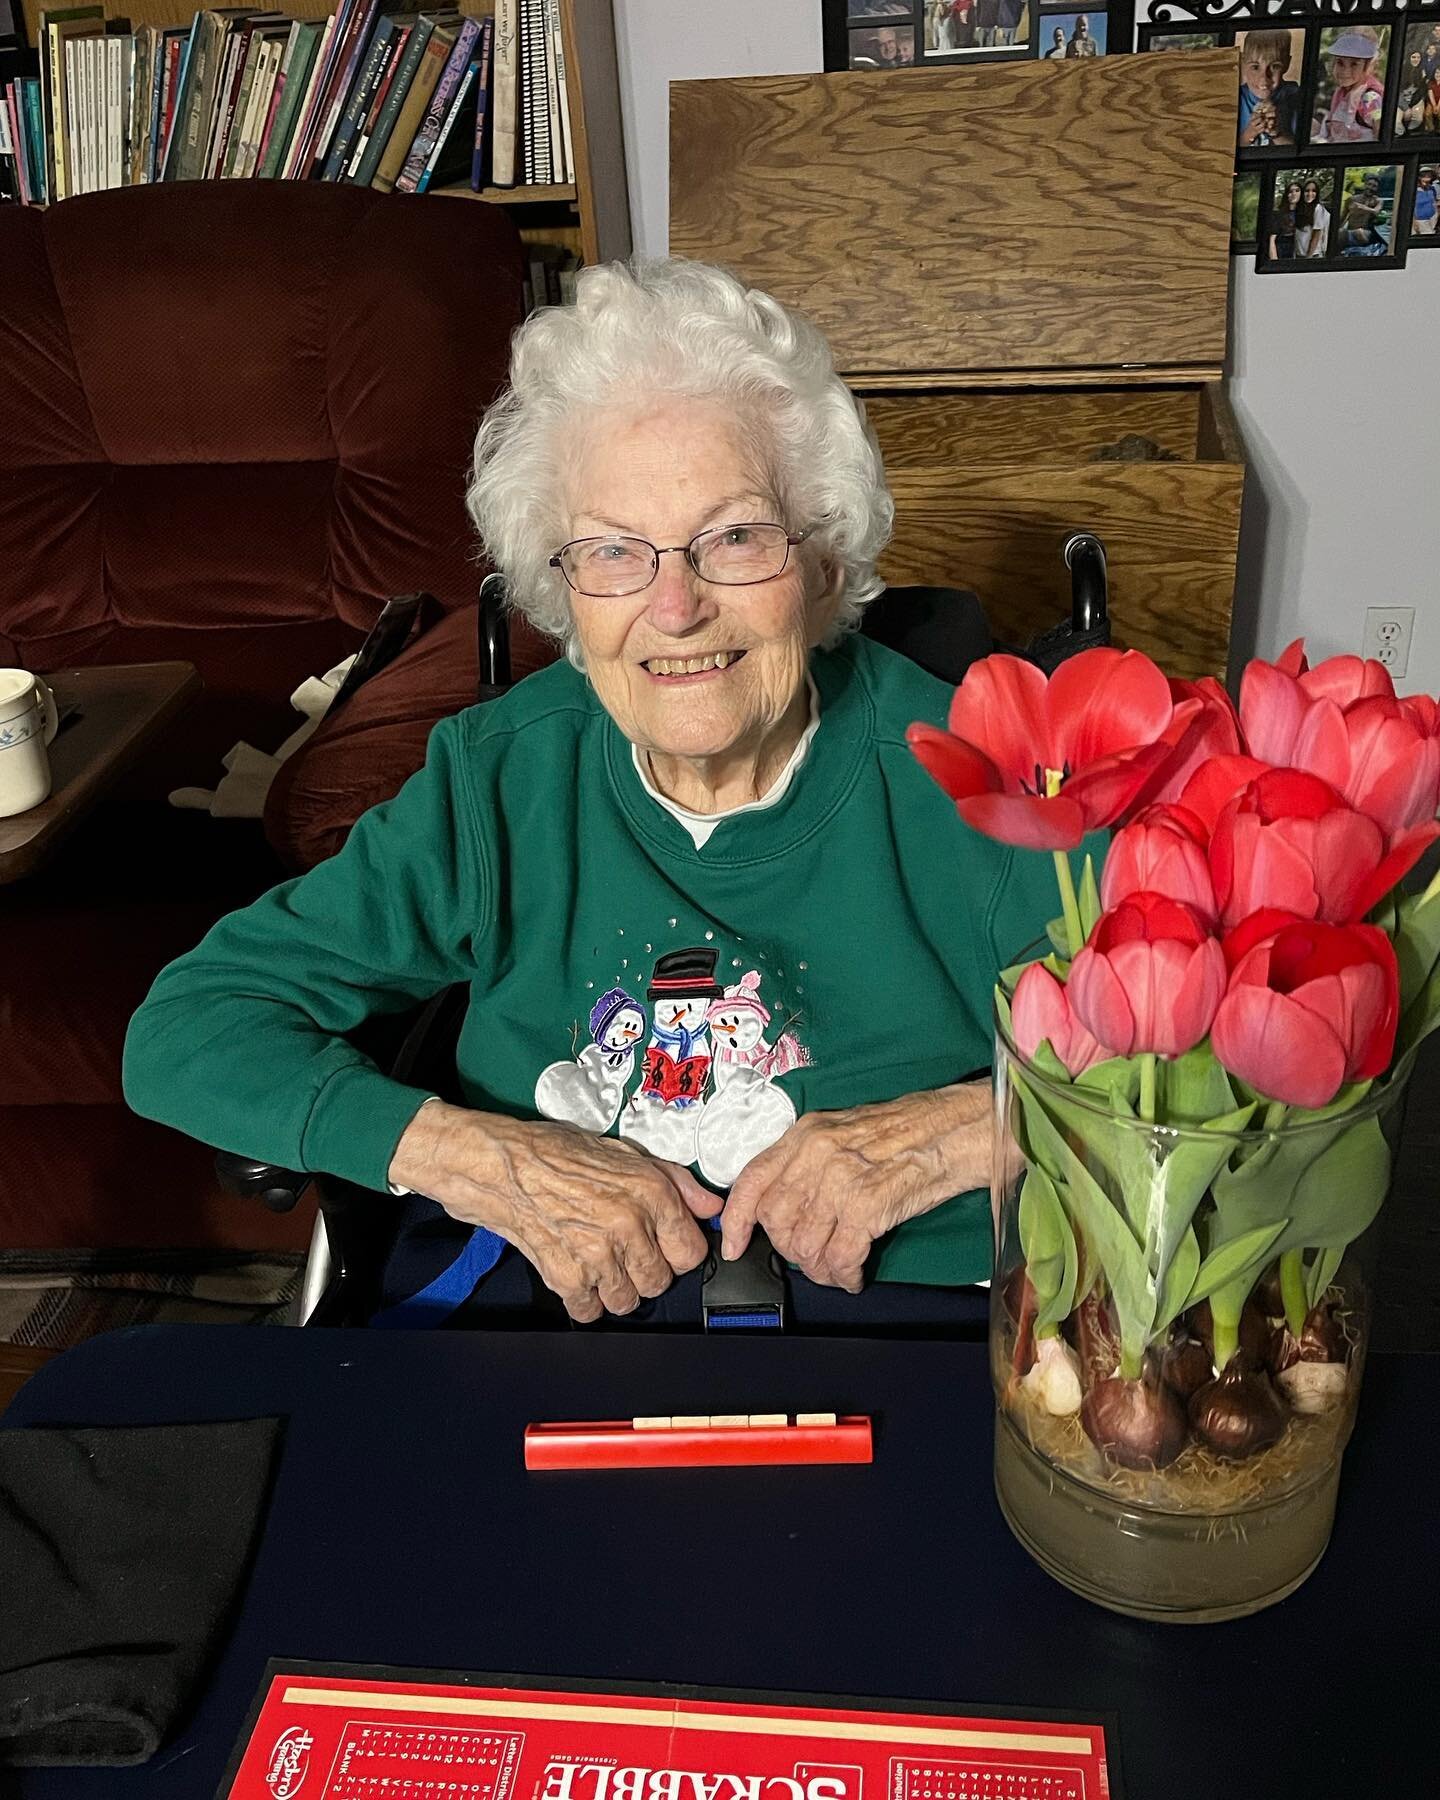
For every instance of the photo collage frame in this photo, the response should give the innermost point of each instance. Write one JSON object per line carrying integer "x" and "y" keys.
{"x": 1337, "y": 159}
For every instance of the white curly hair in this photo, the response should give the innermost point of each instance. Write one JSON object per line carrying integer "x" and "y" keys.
{"x": 667, "y": 325}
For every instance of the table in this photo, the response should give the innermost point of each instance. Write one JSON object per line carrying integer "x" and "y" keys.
{"x": 403, "y": 1529}
{"x": 119, "y": 711}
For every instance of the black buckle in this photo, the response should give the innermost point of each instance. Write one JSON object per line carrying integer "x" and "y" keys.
{"x": 747, "y": 1294}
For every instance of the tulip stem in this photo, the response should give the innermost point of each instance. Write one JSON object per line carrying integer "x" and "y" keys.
{"x": 1069, "y": 905}
{"x": 1147, "y": 1087}
{"x": 1292, "y": 1291}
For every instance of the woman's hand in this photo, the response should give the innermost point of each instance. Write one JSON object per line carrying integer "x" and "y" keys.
{"x": 605, "y": 1223}
{"x": 837, "y": 1181}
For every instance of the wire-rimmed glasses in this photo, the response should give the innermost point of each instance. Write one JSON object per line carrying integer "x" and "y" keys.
{"x": 737, "y": 555}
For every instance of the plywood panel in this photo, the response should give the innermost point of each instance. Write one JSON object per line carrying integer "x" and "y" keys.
{"x": 1024, "y": 216}
{"x": 939, "y": 430}
{"x": 1169, "y": 530}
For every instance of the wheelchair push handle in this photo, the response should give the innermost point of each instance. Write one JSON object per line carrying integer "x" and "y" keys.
{"x": 279, "y": 1189}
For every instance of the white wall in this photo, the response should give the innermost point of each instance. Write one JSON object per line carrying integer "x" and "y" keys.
{"x": 1331, "y": 381}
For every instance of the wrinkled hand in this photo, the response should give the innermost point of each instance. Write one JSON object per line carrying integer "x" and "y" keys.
{"x": 605, "y": 1223}
{"x": 837, "y": 1181}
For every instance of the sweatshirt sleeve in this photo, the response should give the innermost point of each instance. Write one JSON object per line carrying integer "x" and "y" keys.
{"x": 241, "y": 1042}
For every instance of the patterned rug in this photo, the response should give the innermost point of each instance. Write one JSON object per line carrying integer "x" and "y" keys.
{"x": 52, "y": 1303}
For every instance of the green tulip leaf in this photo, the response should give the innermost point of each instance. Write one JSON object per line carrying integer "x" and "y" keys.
{"x": 1262, "y": 1188}
{"x": 1185, "y": 1177}
{"x": 1230, "y": 1262}
{"x": 1420, "y": 1017}
{"x": 1177, "y": 1281}
{"x": 1195, "y": 1088}
{"x": 1059, "y": 937}
{"x": 1320, "y": 1274}
{"x": 1340, "y": 1192}
{"x": 1045, "y": 1062}
{"x": 1417, "y": 943}
{"x": 1048, "y": 1242}
{"x": 1089, "y": 898}
{"x": 1116, "y": 1076}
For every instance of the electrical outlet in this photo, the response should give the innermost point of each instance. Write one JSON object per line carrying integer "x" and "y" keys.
{"x": 1387, "y": 636}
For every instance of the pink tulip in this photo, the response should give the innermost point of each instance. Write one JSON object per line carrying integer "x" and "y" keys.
{"x": 1094, "y": 733}
{"x": 1159, "y": 854}
{"x": 1392, "y": 762}
{"x": 1308, "y": 1009}
{"x": 1149, "y": 979}
{"x": 1289, "y": 842}
{"x": 1040, "y": 1012}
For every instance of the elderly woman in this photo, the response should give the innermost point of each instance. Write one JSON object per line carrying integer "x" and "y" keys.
{"x": 721, "y": 933}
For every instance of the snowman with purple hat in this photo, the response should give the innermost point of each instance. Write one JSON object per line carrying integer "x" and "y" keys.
{"x": 589, "y": 1091}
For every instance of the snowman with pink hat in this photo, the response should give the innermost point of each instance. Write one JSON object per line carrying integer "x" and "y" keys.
{"x": 746, "y": 1113}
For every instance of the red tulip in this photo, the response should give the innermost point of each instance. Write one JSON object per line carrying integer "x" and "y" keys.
{"x": 1309, "y": 1009}
{"x": 1094, "y": 732}
{"x": 1210, "y": 731}
{"x": 1392, "y": 761}
{"x": 1216, "y": 783}
{"x": 1289, "y": 842}
{"x": 1160, "y": 854}
{"x": 1041, "y": 1011}
{"x": 1149, "y": 979}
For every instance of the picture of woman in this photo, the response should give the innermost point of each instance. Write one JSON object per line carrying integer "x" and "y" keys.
{"x": 1312, "y": 222}
{"x": 1417, "y": 98}
{"x": 1284, "y": 220}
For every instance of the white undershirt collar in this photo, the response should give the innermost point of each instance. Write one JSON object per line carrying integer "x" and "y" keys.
{"x": 702, "y": 825}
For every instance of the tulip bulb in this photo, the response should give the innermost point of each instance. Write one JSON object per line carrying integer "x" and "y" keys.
{"x": 1186, "y": 1366}
{"x": 1239, "y": 1413}
{"x": 1139, "y": 1424}
{"x": 1054, "y": 1381}
{"x": 1311, "y": 1372}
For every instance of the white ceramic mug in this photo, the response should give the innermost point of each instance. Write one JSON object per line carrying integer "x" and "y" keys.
{"x": 27, "y": 723}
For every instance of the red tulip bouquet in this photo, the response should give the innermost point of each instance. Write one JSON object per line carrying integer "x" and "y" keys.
{"x": 1200, "y": 1066}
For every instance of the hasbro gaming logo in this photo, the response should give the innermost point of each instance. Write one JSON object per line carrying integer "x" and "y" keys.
{"x": 289, "y": 1762}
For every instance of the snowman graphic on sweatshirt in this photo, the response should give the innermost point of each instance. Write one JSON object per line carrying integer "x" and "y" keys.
{"x": 664, "y": 1114}
{"x": 589, "y": 1091}
{"x": 747, "y": 1113}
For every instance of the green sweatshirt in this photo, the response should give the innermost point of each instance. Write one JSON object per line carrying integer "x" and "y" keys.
{"x": 835, "y": 948}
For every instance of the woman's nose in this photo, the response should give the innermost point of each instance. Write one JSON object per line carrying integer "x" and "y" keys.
{"x": 676, "y": 595}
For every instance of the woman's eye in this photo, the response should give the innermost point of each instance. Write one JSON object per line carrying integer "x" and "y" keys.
{"x": 735, "y": 535}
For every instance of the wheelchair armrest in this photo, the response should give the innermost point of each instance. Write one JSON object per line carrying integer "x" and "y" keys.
{"x": 277, "y": 1188}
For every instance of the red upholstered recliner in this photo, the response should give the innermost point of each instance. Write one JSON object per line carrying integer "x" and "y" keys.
{"x": 235, "y": 418}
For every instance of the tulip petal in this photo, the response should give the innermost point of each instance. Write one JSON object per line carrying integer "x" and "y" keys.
{"x": 1404, "y": 852}
{"x": 1000, "y": 707}
{"x": 1238, "y": 942}
{"x": 1023, "y": 821}
{"x": 1109, "y": 787}
{"x": 1345, "y": 848}
{"x": 1190, "y": 1010}
{"x": 1104, "y": 701}
{"x": 1322, "y": 744}
{"x": 1038, "y": 1011}
{"x": 1282, "y": 1050}
{"x": 1216, "y": 783}
{"x": 1272, "y": 707}
{"x": 957, "y": 766}
{"x": 1098, "y": 1000}
{"x": 1291, "y": 660}
{"x": 1406, "y": 792}
{"x": 1346, "y": 678}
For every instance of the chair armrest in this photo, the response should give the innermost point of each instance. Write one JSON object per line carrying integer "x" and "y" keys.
{"x": 277, "y": 1188}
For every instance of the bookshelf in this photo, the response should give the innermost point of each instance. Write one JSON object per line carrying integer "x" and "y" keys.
{"x": 590, "y": 217}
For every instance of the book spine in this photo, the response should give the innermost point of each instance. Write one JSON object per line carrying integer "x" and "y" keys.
{"x": 551, "y": 28}
{"x": 412, "y": 113}
{"x": 535, "y": 121}
{"x": 357, "y": 102}
{"x": 114, "y": 119}
{"x": 455, "y": 66}
{"x": 277, "y": 97}
{"x": 189, "y": 145}
{"x": 159, "y": 84}
{"x": 17, "y": 138}
{"x": 176, "y": 56}
{"x": 567, "y": 141}
{"x": 246, "y": 67}
{"x": 88, "y": 173}
{"x": 227, "y": 88}
{"x": 298, "y": 164}
{"x": 136, "y": 108}
{"x": 260, "y": 86}
{"x": 525, "y": 127}
{"x": 287, "y": 117}
{"x": 399, "y": 90}
{"x": 390, "y": 62}
{"x": 69, "y": 94}
{"x": 179, "y": 104}
{"x": 506, "y": 63}
{"x": 28, "y": 110}
{"x": 452, "y": 119}
{"x": 482, "y": 105}
{"x": 52, "y": 62}
{"x": 347, "y": 67}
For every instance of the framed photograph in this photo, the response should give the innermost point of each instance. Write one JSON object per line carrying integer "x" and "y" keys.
{"x": 1423, "y": 232}
{"x": 1349, "y": 91}
{"x": 1245, "y": 210}
{"x": 1272, "y": 72}
{"x": 879, "y": 9}
{"x": 1370, "y": 228}
{"x": 883, "y": 46}
{"x": 963, "y": 27}
{"x": 1181, "y": 40}
{"x": 1298, "y": 217}
{"x": 1417, "y": 85}
{"x": 1065, "y": 37}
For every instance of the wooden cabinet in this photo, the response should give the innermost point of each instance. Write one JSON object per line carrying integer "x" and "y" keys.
{"x": 1019, "y": 267}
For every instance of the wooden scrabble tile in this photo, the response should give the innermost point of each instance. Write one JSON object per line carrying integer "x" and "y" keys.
{"x": 769, "y": 1418}
{"x": 730, "y": 1420}
{"x": 691, "y": 1421}
{"x": 652, "y": 1424}
{"x": 814, "y": 1418}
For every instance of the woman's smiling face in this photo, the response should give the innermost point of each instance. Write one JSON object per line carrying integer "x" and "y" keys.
{"x": 689, "y": 668}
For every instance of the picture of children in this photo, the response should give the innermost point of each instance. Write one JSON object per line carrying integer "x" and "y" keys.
{"x": 1185, "y": 40}
{"x": 1417, "y": 99}
{"x": 1069, "y": 36}
{"x": 1270, "y": 65}
{"x": 1350, "y": 93}
{"x": 1367, "y": 211}
{"x": 1427, "y": 200}
{"x": 887, "y": 47}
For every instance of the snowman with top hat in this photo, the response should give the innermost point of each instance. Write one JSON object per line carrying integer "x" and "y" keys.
{"x": 664, "y": 1112}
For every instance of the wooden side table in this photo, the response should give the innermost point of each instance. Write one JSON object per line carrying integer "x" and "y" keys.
{"x": 117, "y": 714}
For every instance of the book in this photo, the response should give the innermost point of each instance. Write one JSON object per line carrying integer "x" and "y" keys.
{"x": 192, "y": 138}
{"x": 482, "y": 105}
{"x": 395, "y": 48}
{"x": 551, "y": 24}
{"x": 9, "y": 174}
{"x": 55, "y": 27}
{"x": 30, "y": 118}
{"x": 417, "y": 101}
{"x": 272, "y": 40}
{"x": 346, "y": 69}
{"x": 534, "y": 107}
{"x": 395, "y": 98}
{"x": 14, "y": 136}
{"x": 504, "y": 98}
{"x": 137, "y": 105}
{"x": 177, "y": 48}
{"x": 241, "y": 72}
{"x": 451, "y": 155}
{"x": 116, "y": 55}
{"x": 407, "y": 181}
{"x": 303, "y": 128}
{"x": 357, "y": 100}
{"x": 177, "y": 99}
{"x": 567, "y": 144}
{"x": 290, "y": 91}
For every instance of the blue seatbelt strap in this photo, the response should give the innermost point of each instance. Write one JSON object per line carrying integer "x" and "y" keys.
{"x": 450, "y": 1289}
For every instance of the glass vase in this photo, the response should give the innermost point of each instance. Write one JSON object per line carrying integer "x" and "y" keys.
{"x": 1171, "y": 1456}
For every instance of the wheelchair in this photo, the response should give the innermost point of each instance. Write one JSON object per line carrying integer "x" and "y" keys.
{"x": 944, "y": 630}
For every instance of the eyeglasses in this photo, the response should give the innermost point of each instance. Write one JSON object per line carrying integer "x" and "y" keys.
{"x": 729, "y": 555}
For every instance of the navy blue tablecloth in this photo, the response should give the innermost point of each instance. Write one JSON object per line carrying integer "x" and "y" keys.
{"x": 403, "y": 1529}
